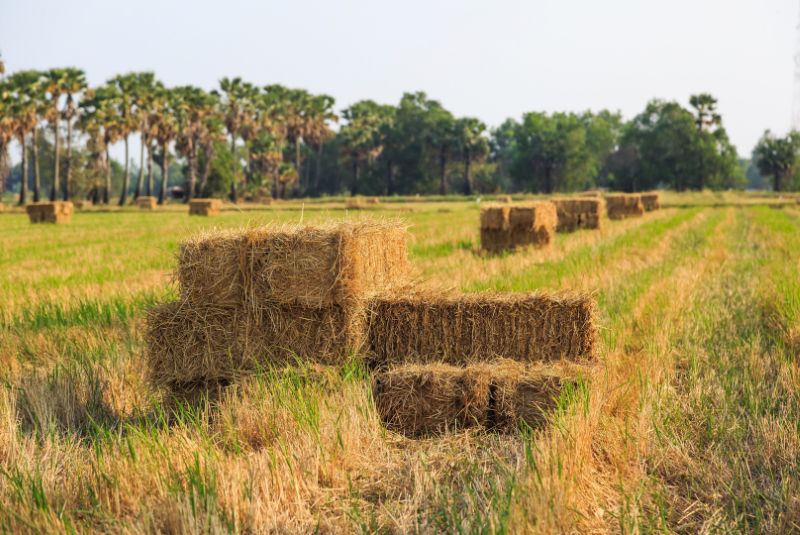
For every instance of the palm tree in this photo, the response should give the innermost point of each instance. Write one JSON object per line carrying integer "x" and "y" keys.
{"x": 238, "y": 109}
{"x": 473, "y": 145}
{"x": 145, "y": 85}
{"x": 23, "y": 110}
{"x": 126, "y": 85}
{"x": 192, "y": 107}
{"x": 163, "y": 125}
{"x": 54, "y": 80}
{"x": 94, "y": 121}
{"x": 211, "y": 133}
{"x": 6, "y": 132}
{"x": 319, "y": 113}
{"x": 359, "y": 136}
{"x": 74, "y": 83}
{"x": 35, "y": 90}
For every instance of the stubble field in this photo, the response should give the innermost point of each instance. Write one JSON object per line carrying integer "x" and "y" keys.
{"x": 689, "y": 424}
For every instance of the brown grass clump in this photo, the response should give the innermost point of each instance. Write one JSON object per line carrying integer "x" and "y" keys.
{"x": 205, "y": 207}
{"x": 147, "y": 203}
{"x": 59, "y": 212}
{"x": 189, "y": 345}
{"x": 651, "y": 201}
{"x": 311, "y": 266}
{"x": 509, "y": 227}
{"x": 459, "y": 329}
{"x": 421, "y": 400}
{"x": 622, "y": 205}
{"x": 578, "y": 213}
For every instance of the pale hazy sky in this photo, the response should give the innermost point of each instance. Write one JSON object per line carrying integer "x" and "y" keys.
{"x": 492, "y": 60}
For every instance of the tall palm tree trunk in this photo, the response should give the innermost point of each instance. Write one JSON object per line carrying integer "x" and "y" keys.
{"x": 37, "y": 180}
{"x": 149, "y": 170}
{"x": 162, "y": 195}
{"x": 140, "y": 181}
{"x": 192, "y": 180}
{"x": 123, "y": 196}
{"x": 23, "y": 187}
{"x": 67, "y": 192}
{"x": 234, "y": 196}
{"x": 56, "y": 163}
{"x": 107, "y": 187}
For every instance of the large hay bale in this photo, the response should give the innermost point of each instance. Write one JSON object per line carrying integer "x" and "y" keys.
{"x": 495, "y": 217}
{"x": 147, "y": 203}
{"x": 509, "y": 227}
{"x": 205, "y": 207}
{"x": 422, "y": 400}
{"x": 58, "y": 212}
{"x": 189, "y": 345}
{"x": 578, "y": 213}
{"x": 651, "y": 201}
{"x": 460, "y": 329}
{"x": 623, "y": 205}
{"x": 313, "y": 266}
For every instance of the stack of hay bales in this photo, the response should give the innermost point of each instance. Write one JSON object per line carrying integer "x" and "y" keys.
{"x": 59, "y": 212}
{"x": 487, "y": 360}
{"x": 205, "y": 207}
{"x": 147, "y": 203}
{"x": 651, "y": 201}
{"x": 623, "y": 205}
{"x": 578, "y": 213}
{"x": 507, "y": 227}
{"x": 267, "y": 296}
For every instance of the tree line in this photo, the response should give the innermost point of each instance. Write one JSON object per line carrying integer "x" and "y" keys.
{"x": 241, "y": 139}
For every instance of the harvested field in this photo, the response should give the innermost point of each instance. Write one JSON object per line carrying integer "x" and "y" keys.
{"x": 460, "y": 329}
{"x": 579, "y": 213}
{"x": 622, "y": 205}
{"x": 651, "y": 201}
{"x": 205, "y": 207}
{"x": 313, "y": 266}
{"x": 59, "y": 212}
{"x": 431, "y": 399}
{"x": 147, "y": 203}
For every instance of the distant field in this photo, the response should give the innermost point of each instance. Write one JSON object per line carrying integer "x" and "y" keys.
{"x": 689, "y": 425}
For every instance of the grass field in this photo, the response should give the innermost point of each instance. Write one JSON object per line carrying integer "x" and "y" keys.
{"x": 689, "y": 425}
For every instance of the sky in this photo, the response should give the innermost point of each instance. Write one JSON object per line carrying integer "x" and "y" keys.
{"x": 488, "y": 59}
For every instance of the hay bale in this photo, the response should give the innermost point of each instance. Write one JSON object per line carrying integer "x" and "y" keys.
{"x": 651, "y": 201}
{"x": 355, "y": 203}
{"x": 590, "y": 193}
{"x": 313, "y": 266}
{"x": 147, "y": 203}
{"x": 459, "y": 329}
{"x": 623, "y": 205}
{"x": 578, "y": 213}
{"x": 509, "y": 227}
{"x": 58, "y": 212}
{"x": 422, "y": 400}
{"x": 189, "y": 345}
{"x": 495, "y": 217}
{"x": 205, "y": 207}
{"x": 504, "y": 199}
{"x": 373, "y": 200}
{"x": 83, "y": 204}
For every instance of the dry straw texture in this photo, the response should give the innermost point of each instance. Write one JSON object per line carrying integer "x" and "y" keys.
{"x": 459, "y": 329}
{"x": 591, "y": 193}
{"x": 312, "y": 266}
{"x": 421, "y": 400}
{"x": 504, "y": 198}
{"x": 509, "y": 227}
{"x": 373, "y": 200}
{"x": 355, "y": 203}
{"x": 189, "y": 345}
{"x": 59, "y": 212}
{"x": 651, "y": 201}
{"x": 578, "y": 213}
{"x": 623, "y": 205}
{"x": 147, "y": 203}
{"x": 495, "y": 217}
{"x": 205, "y": 207}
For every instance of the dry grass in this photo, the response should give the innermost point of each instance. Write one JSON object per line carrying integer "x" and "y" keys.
{"x": 59, "y": 212}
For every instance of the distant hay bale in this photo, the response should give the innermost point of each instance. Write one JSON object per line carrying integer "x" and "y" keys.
{"x": 373, "y": 200}
{"x": 205, "y": 207}
{"x": 623, "y": 205}
{"x": 651, "y": 201}
{"x": 147, "y": 203}
{"x": 431, "y": 399}
{"x": 578, "y": 213}
{"x": 313, "y": 266}
{"x": 58, "y": 212}
{"x": 459, "y": 329}
{"x": 355, "y": 203}
{"x": 83, "y": 204}
{"x": 504, "y": 199}
{"x": 190, "y": 345}
{"x": 509, "y": 227}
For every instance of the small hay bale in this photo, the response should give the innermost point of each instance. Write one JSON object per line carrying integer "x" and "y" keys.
{"x": 190, "y": 345}
{"x": 578, "y": 213}
{"x": 373, "y": 200}
{"x": 205, "y": 207}
{"x": 624, "y": 205}
{"x": 509, "y": 227}
{"x": 83, "y": 204}
{"x": 355, "y": 203}
{"x": 431, "y": 399}
{"x": 459, "y": 329}
{"x": 313, "y": 266}
{"x": 504, "y": 199}
{"x": 651, "y": 201}
{"x": 422, "y": 400}
{"x": 58, "y": 212}
{"x": 147, "y": 203}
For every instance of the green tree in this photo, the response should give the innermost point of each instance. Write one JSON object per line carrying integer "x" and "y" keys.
{"x": 239, "y": 112}
{"x": 777, "y": 157}
{"x": 127, "y": 123}
{"x": 23, "y": 110}
{"x": 164, "y": 128}
{"x": 360, "y": 137}
{"x": 143, "y": 92}
{"x": 472, "y": 144}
